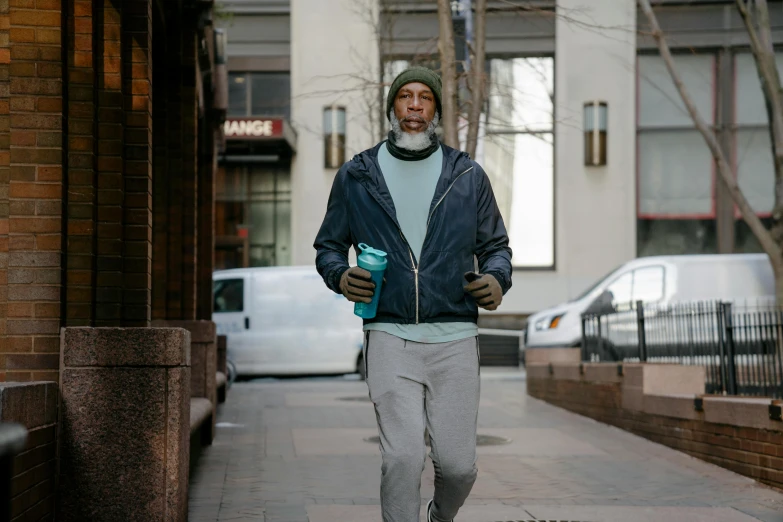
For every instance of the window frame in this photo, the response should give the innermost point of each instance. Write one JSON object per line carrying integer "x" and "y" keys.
{"x": 553, "y": 133}
{"x": 713, "y": 54}
{"x": 735, "y": 128}
{"x": 250, "y": 76}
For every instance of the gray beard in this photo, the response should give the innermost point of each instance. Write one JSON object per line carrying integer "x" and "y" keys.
{"x": 413, "y": 142}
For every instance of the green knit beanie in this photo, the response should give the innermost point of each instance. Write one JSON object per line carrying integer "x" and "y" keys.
{"x": 412, "y": 75}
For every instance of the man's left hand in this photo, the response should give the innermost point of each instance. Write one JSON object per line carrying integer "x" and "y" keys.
{"x": 486, "y": 291}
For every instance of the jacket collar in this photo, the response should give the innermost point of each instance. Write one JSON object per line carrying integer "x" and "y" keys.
{"x": 365, "y": 164}
{"x": 365, "y": 169}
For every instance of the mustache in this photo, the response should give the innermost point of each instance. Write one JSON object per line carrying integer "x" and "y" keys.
{"x": 411, "y": 118}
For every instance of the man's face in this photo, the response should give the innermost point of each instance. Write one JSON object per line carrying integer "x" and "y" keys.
{"x": 414, "y": 107}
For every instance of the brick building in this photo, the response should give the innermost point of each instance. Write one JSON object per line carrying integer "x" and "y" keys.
{"x": 110, "y": 119}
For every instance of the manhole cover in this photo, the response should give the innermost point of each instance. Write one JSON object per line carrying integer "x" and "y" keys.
{"x": 361, "y": 398}
{"x": 481, "y": 440}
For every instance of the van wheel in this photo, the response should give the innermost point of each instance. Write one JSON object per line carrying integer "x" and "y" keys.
{"x": 360, "y": 368}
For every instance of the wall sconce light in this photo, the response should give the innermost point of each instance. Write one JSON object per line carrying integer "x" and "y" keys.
{"x": 595, "y": 124}
{"x": 220, "y": 46}
{"x": 334, "y": 137}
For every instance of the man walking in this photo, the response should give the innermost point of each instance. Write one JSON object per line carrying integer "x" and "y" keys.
{"x": 432, "y": 209}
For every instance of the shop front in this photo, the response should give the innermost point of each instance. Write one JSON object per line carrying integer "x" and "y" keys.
{"x": 253, "y": 194}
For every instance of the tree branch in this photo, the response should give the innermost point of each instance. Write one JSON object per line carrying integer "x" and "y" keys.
{"x": 757, "y": 227}
{"x": 448, "y": 75}
{"x": 477, "y": 77}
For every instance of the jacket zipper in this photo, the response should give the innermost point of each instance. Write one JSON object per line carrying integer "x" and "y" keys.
{"x": 414, "y": 266}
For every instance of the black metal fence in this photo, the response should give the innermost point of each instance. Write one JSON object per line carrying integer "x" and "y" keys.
{"x": 741, "y": 346}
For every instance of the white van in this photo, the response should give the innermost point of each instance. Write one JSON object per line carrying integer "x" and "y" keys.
{"x": 285, "y": 321}
{"x": 660, "y": 280}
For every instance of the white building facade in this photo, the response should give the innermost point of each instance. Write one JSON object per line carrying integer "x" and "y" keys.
{"x": 315, "y": 69}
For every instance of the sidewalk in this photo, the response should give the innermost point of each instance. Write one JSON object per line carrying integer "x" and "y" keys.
{"x": 294, "y": 451}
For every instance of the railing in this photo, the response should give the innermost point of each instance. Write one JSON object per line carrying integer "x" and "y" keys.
{"x": 741, "y": 346}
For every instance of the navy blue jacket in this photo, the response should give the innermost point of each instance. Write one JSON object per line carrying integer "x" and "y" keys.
{"x": 464, "y": 221}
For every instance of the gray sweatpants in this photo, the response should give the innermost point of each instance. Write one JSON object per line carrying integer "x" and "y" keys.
{"x": 414, "y": 386}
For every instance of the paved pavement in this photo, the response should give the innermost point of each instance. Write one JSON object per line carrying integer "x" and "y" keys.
{"x": 294, "y": 451}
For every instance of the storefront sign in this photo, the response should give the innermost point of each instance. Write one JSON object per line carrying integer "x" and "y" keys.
{"x": 250, "y": 129}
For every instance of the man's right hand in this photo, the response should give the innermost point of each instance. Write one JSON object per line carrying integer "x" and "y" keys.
{"x": 357, "y": 286}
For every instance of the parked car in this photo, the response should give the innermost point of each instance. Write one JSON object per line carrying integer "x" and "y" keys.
{"x": 285, "y": 321}
{"x": 657, "y": 281}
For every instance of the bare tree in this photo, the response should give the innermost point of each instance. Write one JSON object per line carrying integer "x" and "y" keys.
{"x": 477, "y": 77}
{"x": 756, "y": 17}
{"x": 758, "y": 25}
{"x": 448, "y": 66}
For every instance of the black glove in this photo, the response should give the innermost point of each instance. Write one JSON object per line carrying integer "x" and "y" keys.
{"x": 357, "y": 286}
{"x": 485, "y": 289}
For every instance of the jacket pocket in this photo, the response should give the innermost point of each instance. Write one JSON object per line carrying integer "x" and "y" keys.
{"x": 398, "y": 296}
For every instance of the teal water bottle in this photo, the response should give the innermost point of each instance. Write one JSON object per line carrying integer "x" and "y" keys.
{"x": 374, "y": 261}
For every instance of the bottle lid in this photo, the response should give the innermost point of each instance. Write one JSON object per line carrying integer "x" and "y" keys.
{"x": 372, "y": 251}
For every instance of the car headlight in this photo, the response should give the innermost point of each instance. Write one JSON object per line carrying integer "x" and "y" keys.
{"x": 549, "y": 323}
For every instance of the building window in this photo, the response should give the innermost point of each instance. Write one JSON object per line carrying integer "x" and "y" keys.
{"x": 745, "y": 241}
{"x": 676, "y": 236}
{"x": 753, "y": 159}
{"x": 259, "y": 94}
{"x": 676, "y": 201}
{"x": 518, "y": 154}
{"x": 253, "y": 215}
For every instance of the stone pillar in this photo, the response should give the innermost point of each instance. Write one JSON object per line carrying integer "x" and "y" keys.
{"x": 125, "y": 424}
{"x": 203, "y": 350}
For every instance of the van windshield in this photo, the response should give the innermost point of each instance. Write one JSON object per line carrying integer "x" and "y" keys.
{"x": 595, "y": 285}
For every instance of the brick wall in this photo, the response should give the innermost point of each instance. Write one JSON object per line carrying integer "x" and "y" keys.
{"x": 108, "y": 180}
{"x": 177, "y": 274}
{"x": 35, "y": 190}
{"x": 34, "y": 405}
{"x": 174, "y": 111}
{"x": 206, "y": 217}
{"x": 161, "y": 178}
{"x": 190, "y": 177}
{"x": 137, "y": 156}
{"x": 81, "y": 175}
{"x": 76, "y": 244}
{"x": 746, "y": 442}
{"x": 5, "y": 162}
{"x": 76, "y": 193}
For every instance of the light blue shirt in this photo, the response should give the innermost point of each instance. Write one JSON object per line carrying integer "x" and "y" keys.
{"x": 412, "y": 187}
